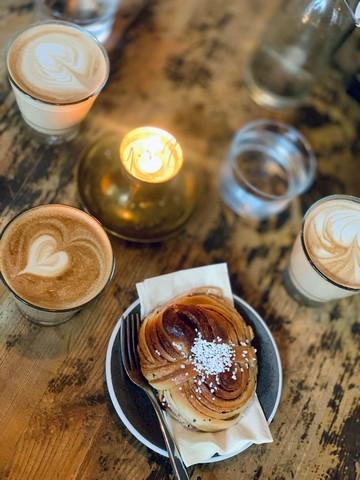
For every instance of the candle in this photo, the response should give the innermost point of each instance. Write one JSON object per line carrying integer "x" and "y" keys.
{"x": 140, "y": 189}
{"x": 151, "y": 154}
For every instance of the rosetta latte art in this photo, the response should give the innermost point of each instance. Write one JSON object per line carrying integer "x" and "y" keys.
{"x": 332, "y": 237}
{"x": 44, "y": 260}
{"x": 57, "y": 63}
{"x": 62, "y": 65}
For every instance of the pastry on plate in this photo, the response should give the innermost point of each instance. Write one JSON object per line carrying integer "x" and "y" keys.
{"x": 196, "y": 352}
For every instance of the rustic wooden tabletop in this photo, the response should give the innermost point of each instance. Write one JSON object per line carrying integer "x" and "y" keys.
{"x": 180, "y": 66}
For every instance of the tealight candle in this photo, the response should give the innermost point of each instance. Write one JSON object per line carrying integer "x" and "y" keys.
{"x": 151, "y": 154}
{"x": 139, "y": 187}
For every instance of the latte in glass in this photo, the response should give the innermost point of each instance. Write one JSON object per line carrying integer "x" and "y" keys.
{"x": 55, "y": 259}
{"x": 56, "y": 70}
{"x": 325, "y": 260}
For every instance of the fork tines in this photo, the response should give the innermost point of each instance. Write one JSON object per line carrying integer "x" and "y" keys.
{"x": 129, "y": 330}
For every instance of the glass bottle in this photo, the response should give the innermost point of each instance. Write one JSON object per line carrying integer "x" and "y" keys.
{"x": 297, "y": 43}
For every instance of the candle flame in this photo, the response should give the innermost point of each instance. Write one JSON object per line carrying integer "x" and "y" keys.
{"x": 151, "y": 154}
{"x": 149, "y": 162}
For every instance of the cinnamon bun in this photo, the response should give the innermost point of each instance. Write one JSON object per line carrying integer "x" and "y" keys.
{"x": 196, "y": 352}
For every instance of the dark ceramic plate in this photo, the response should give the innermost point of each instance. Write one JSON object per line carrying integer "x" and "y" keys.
{"x": 131, "y": 403}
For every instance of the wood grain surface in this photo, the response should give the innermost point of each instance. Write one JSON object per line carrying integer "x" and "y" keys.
{"x": 180, "y": 65}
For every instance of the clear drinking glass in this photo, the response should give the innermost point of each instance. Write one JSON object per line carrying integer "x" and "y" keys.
{"x": 307, "y": 279}
{"x": 268, "y": 164}
{"x": 295, "y": 46}
{"x": 96, "y": 16}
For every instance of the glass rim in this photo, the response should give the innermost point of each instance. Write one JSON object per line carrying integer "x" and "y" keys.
{"x": 59, "y": 310}
{"x": 338, "y": 196}
{"x": 78, "y": 21}
{"x": 71, "y": 25}
{"x": 309, "y": 151}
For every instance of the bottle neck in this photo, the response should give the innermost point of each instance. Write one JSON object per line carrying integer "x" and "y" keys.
{"x": 354, "y": 10}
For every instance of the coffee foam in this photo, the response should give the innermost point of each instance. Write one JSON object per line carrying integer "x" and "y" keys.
{"x": 45, "y": 259}
{"x": 57, "y": 63}
{"x": 332, "y": 239}
{"x": 55, "y": 257}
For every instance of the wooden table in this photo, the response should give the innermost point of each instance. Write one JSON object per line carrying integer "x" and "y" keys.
{"x": 181, "y": 67}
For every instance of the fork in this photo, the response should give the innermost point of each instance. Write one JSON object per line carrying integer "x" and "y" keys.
{"x": 128, "y": 338}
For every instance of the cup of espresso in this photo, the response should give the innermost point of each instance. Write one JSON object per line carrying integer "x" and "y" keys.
{"x": 56, "y": 70}
{"x": 324, "y": 263}
{"x": 55, "y": 259}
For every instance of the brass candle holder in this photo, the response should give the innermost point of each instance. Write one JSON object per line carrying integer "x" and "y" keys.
{"x": 140, "y": 190}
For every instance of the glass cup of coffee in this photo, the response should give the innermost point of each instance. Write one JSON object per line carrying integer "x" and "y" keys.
{"x": 56, "y": 70}
{"x": 55, "y": 259}
{"x": 324, "y": 263}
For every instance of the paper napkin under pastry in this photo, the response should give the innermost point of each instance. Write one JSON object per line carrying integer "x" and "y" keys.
{"x": 195, "y": 446}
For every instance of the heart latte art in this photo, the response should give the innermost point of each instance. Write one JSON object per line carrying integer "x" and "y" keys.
{"x": 44, "y": 260}
{"x": 332, "y": 238}
{"x": 55, "y": 257}
{"x": 57, "y": 63}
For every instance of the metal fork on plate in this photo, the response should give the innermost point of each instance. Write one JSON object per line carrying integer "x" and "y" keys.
{"x": 128, "y": 338}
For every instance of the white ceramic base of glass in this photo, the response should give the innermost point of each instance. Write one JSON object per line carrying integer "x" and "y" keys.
{"x": 52, "y": 123}
{"x": 306, "y": 284}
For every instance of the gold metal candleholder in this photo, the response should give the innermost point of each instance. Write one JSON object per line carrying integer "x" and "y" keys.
{"x": 140, "y": 189}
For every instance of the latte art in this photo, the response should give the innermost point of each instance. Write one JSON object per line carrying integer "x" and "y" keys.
{"x": 57, "y": 63}
{"x": 332, "y": 237}
{"x": 44, "y": 260}
{"x": 55, "y": 256}
{"x": 60, "y": 64}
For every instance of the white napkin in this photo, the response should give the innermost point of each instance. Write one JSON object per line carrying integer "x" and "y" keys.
{"x": 194, "y": 446}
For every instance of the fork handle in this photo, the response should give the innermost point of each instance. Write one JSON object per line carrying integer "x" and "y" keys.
{"x": 174, "y": 454}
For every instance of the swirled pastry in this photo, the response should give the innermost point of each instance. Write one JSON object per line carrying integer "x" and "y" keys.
{"x": 196, "y": 352}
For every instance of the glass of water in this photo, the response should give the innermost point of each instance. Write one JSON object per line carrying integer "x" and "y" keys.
{"x": 96, "y": 16}
{"x": 268, "y": 164}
